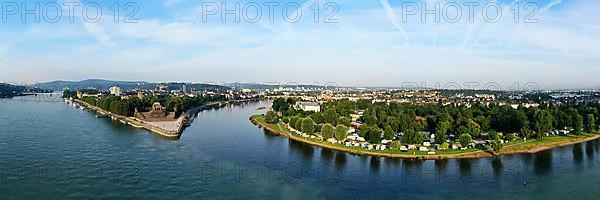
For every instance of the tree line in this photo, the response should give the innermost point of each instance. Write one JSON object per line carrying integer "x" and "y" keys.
{"x": 478, "y": 121}
{"x": 127, "y": 106}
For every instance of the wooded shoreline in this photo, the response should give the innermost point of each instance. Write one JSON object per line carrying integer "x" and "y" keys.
{"x": 508, "y": 150}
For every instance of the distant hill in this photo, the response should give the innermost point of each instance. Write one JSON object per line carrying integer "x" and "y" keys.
{"x": 94, "y": 83}
{"x": 8, "y": 90}
{"x": 101, "y": 84}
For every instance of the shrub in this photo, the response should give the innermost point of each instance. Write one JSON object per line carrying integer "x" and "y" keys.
{"x": 445, "y": 145}
{"x": 510, "y": 137}
{"x": 395, "y": 144}
{"x": 465, "y": 139}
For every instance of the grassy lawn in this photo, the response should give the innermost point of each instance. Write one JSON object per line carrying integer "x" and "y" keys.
{"x": 549, "y": 141}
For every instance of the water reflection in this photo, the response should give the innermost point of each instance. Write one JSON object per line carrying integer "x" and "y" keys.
{"x": 465, "y": 167}
{"x": 340, "y": 160}
{"x": 411, "y": 170}
{"x": 270, "y": 136}
{"x": 543, "y": 162}
{"x": 375, "y": 164}
{"x": 589, "y": 149}
{"x": 395, "y": 162}
{"x": 327, "y": 154}
{"x": 441, "y": 167}
{"x": 577, "y": 154}
{"x": 306, "y": 151}
{"x": 497, "y": 167}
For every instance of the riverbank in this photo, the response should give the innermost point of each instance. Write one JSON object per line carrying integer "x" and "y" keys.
{"x": 532, "y": 146}
{"x": 449, "y": 154}
{"x": 173, "y": 133}
{"x": 547, "y": 143}
{"x": 167, "y": 129}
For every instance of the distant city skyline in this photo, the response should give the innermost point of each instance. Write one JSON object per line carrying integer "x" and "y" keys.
{"x": 371, "y": 44}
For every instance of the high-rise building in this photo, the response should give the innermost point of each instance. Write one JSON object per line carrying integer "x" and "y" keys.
{"x": 140, "y": 94}
{"x": 114, "y": 90}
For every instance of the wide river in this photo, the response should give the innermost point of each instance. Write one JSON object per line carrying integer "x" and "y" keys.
{"x": 49, "y": 150}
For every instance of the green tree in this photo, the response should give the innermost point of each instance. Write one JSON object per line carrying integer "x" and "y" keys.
{"x": 412, "y": 137}
{"x": 497, "y": 145}
{"x": 341, "y": 132}
{"x": 578, "y": 123}
{"x": 370, "y": 119}
{"x": 375, "y": 136}
{"x": 327, "y": 131}
{"x": 317, "y": 118}
{"x": 290, "y": 112}
{"x": 590, "y": 123}
{"x": 494, "y": 135}
{"x": 465, "y": 140}
{"x": 298, "y": 124}
{"x": 308, "y": 125}
{"x": 344, "y": 121}
{"x": 388, "y": 132}
{"x": 473, "y": 128}
{"x": 525, "y": 132}
{"x": 115, "y": 107}
{"x": 484, "y": 122}
{"x": 293, "y": 121}
{"x": 280, "y": 105}
{"x": 286, "y": 120}
{"x": 440, "y": 132}
{"x": 363, "y": 131}
{"x": 330, "y": 116}
{"x": 542, "y": 122}
{"x": 271, "y": 117}
{"x": 364, "y": 104}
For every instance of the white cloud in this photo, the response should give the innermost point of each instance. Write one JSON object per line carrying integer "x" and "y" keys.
{"x": 175, "y": 33}
{"x": 98, "y": 32}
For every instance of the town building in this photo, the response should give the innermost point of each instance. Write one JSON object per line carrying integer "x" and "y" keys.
{"x": 308, "y": 106}
{"x": 114, "y": 90}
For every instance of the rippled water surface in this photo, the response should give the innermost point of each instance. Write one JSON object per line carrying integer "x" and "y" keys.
{"x": 52, "y": 151}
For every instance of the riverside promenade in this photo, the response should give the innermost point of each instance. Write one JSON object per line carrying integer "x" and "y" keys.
{"x": 169, "y": 129}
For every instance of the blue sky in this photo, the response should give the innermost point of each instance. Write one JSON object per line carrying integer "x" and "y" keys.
{"x": 370, "y": 45}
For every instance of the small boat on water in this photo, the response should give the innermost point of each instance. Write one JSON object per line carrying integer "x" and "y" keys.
{"x": 261, "y": 108}
{"x": 101, "y": 116}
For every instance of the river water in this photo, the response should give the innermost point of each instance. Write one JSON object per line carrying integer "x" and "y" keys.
{"x": 49, "y": 150}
